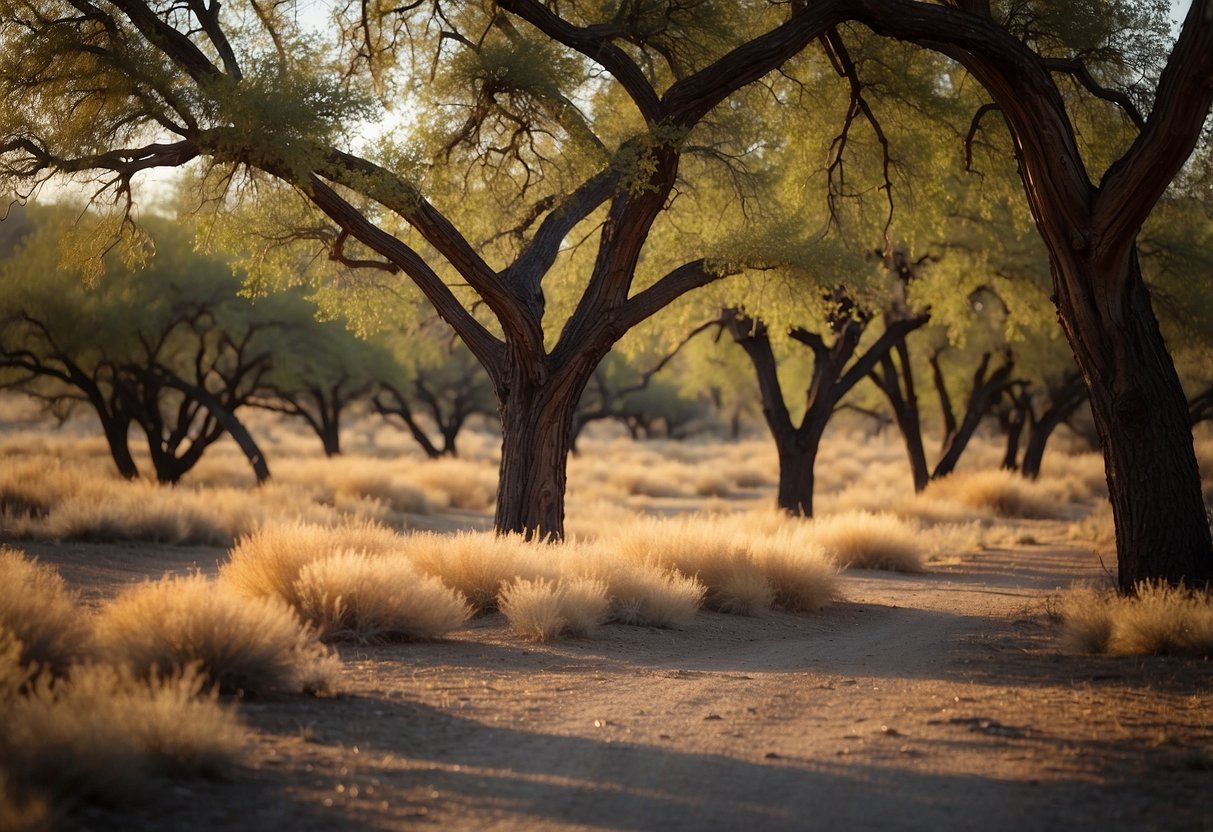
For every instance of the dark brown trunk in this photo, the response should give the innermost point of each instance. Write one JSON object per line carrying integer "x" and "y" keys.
{"x": 984, "y": 394}
{"x": 797, "y": 458}
{"x": 896, "y": 380}
{"x": 1139, "y": 408}
{"x": 536, "y": 433}
{"x": 117, "y": 437}
{"x": 1063, "y": 402}
{"x": 537, "y": 409}
{"x": 1013, "y": 423}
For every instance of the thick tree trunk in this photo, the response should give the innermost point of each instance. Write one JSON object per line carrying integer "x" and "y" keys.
{"x": 797, "y": 458}
{"x": 536, "y": 439}
{"x": 330, "y": 436}
{"x": 1139, "y": 408}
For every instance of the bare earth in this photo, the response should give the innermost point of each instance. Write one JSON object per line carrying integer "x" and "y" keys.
{"x": 934, "y": 701}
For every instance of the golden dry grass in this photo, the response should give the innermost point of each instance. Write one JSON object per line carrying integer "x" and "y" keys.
{"x": 353, "y": 596}
{"x": 542, "y": 609}
{"x": 41, "y": 613}
{"x": 1003, "y": 493}
{"x": 640, "y": 593}
{"x": 1096, "y": 531}
{"x": 746, "y": 563}
{"x": 478, "y": 565}
{"x": 252, "y": 646}
{"x": 103, "y": 735}
{"x": 268, "y": 562}
{"x": 862, "y": 540}
{"x": 1158, "y": 620}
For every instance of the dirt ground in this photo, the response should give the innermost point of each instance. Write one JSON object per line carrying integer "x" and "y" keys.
{"x": 933, "y": 701}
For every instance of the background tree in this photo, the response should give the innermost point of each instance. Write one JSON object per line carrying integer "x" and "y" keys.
{"x": 179, "y": 369}
{"x": 437, "y": 386}
{"x": 319, "y": 370}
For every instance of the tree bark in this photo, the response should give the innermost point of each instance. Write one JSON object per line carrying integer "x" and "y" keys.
{"x": 536, "y": 438}
{"x": 1141, "y": 414}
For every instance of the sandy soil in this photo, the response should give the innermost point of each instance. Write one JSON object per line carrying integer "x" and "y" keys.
{"x": 934, "y": 701}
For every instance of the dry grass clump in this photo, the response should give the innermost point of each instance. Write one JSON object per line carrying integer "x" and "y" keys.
{"x": 640, "y": 594}
{"x": 1158, "y": 620}
{"x": 1003, "y": 493}
{"x": 478, "y": 564}
{"x": 41, "y": 613}
{"x": 244, "y": 645}
{"x": 541, "y": 609}
{"x": 951, "y": 540}
{"x": 103, "y": 735}
{"x": 352, "y": 596}
{"x": 267, "y": 562}
{"x": 862, "y": 540}
{"x": 699, "y": 547}
{"x": 747, "y": 563}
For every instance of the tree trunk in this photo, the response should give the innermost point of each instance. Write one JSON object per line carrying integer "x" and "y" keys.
{"x": 797, "y": 458}
{"x": 1013, "y": 424}
{"x": 536, "y": 438}
{"x": 330, "y": 437}
{"x": 983, "y": 396}
{"x": 1139, "y": 408}
{"x": 890, "y": 380}
{"x": 117, "y": 437}
{"x": 1064, "y": 401}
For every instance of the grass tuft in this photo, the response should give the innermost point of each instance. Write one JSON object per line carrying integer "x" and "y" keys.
{"x": 41, "y": 613}
{"x": 1158, "y": 620}
{"x": 352, "y": 596}
{"x": 103, "y": 735}
{"x": 478, "y": 565}
{"x": 542, "y": 609}
{"x": 253, "y": 646}
{"x": 862, "y": 540}
{"x": 268, "y": 562}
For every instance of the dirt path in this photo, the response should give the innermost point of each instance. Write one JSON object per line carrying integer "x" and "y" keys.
{"x": 936, "y": 701}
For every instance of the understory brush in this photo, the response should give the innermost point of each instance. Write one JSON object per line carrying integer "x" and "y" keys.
{"x": 353, "y": 582}
{"x": 247, "y": 646}
{"x": 41, "y": 614}
{"x": 1158, "y": 620}
{"x": 101, "y": 734}
{"x": 541, "y": 609}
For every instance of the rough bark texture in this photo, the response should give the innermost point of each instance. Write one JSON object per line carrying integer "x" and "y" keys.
{"x": 1141, "y": 414}
{"x": 536, "y": 439}
{"x": 1090, "y": 232}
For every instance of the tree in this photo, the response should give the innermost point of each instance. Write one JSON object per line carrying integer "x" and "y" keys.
{"x": 85, "y": 83}
{"x": 1090, "y": 232}
{"x": 253, "y": 94}
{"x": 179, "y": 370}
{"x": 838, "y": 365}
{"x": 436, "y": 380}
{"x": 319, "y": 370}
